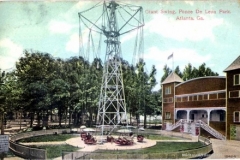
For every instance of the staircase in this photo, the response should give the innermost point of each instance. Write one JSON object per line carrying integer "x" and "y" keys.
{"x": 210, "y": 130}
{"x": 180, "y": 122}
{"x": 202, "y": 125}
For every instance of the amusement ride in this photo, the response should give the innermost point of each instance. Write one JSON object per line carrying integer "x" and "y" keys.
{"x": 115, "y": 21}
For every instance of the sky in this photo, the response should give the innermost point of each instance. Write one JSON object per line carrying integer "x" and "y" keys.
{"x": 194, "y": 32}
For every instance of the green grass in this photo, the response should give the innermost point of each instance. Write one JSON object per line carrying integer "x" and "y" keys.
{"x": 164, "y": 147}
{"x": 162, "y": 150}
{"x": 160, "y": 137}
{"x": 54, "y": 151}
{"x": 48, "y": 138}
{"x": 160, "y": 147}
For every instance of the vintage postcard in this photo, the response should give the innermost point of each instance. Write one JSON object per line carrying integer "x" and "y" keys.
{"x": 169, "y": 68}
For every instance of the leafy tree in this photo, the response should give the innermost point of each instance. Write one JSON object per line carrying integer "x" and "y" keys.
{"x": 191, "y": 72}
{"x": 44, "y": 84}
{"x": 34, "y": 71}
{"x": 3, "y": 89}
{"x": 129, "y": 81}
{"x": 95, "y": 78}
{"x": 178, "y": 72}
{"x": 146, "y": 82}
{"x": 166, "y": 72}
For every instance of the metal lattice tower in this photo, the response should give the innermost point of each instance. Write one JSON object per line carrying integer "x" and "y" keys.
{"x": 112, "y": 108}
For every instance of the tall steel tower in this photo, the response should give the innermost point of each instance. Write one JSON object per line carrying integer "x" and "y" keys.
{"x": 112, "y": 106}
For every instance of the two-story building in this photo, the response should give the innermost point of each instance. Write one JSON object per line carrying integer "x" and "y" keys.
{"x": 211, "y": 103}
{"x": 233, "y": 100}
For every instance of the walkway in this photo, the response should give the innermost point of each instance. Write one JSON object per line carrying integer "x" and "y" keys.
{"x": 42, "y": 143}
{"x": 225, "y": 149}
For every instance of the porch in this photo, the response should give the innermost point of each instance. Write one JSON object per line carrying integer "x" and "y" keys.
{"x": 208, "y": 115}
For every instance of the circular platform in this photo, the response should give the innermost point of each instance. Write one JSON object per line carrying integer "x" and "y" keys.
{"x": 77, "y": 142}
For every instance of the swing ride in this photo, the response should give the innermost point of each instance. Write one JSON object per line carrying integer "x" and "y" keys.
{"x": 115, "y": 21}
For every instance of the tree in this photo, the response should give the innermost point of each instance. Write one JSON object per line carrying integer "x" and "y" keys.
{"x": 73, "y": 86}
{"x": 191, "y": 72}
{"x": 3, "y": 89}
{"x": 35, "y": 71}
{"x": 178, "y": 72}
{"x": 131, "y": 89}
{"x": 145, "y": 84}
{"x": 166, "y": 72}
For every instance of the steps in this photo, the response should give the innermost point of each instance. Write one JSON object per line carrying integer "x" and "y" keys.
{"x": 200, "y": 123}
{"x": 211, "y": 130}
{"x": 180, "y": 122}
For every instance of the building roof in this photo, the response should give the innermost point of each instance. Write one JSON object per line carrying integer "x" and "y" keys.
{"x": 235, "y": 65}
{"x": 206, "y": 77}
{"x": 173, "y": 77}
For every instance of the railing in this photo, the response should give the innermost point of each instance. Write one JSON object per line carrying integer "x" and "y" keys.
{"x": 211, "y": 130}
{"x": 28, "y": 152}
{"x": 180, "y": 122}
{"x": 202, "y": 125}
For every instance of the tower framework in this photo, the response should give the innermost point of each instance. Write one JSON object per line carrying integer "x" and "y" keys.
{"x": 112, "y": 106}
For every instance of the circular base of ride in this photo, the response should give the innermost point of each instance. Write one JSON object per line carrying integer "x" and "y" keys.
{"x": 102, "y": 143}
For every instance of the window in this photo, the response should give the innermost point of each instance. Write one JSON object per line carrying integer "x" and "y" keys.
{"x": 178, "y": 99}
{"x": 165, "y": 100}
{"x": 213, "y": 96}
{"x": 168, "y": 100}
{"x": 168, "y": 90}
{"x": 190, "y": 98}
{"x": 195, "y": 98}
{"x": 205, "y": 97}
{"x": 234, "y": 94}
{"x": 221, "y": 95}
{"x": 200, "y": 97}
{"x": 236, "y": 79}
{"x": 236, "y": 116}
{"x": 185, "y": 99}
{"x": 167, "y": 115}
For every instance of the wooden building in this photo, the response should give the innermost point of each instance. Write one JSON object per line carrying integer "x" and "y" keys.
{"x": 233, "y": 100}
{"x": 211, "y": 103}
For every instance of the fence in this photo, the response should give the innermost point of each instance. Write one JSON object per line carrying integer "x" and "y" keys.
{"x": 28, "y": 152}
{"x": 186, "y": 154}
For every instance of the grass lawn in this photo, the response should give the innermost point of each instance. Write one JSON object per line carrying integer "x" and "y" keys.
{"x": 160, "y": 147}
{"x": 164, "y": 147}
{"x": 54, "y": 151}
{"x": 162, "y": 150}
{"x": 48, "y": 138}
{"x": 160, "y": 137}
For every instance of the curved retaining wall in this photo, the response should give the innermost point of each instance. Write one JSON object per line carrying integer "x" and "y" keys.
{"x": 194, "y": 153}
{"x": 28, "y": 152}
